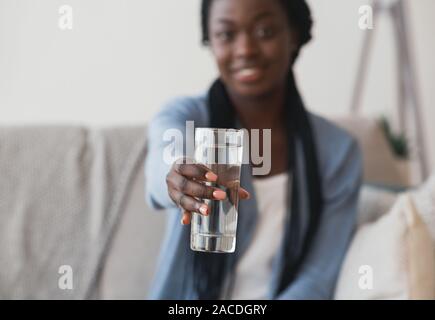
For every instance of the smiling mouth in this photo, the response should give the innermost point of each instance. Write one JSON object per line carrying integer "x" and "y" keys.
{"x": 249, "y": 75}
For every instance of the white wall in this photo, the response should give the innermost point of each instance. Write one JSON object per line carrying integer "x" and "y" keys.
{"x": 120, "y": 61}
{"x": 123, "y": 59}
{"x": 328, "y": 66}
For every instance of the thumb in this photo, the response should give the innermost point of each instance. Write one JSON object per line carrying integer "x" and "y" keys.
{"x": 185, "y": 220}
{"x": 243, "y": 194}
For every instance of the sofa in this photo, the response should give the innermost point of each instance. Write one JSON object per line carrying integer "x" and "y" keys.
{"x": 74, "y": 223}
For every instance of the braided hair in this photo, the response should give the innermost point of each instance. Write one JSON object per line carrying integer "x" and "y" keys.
{"x": 211, "y": 270}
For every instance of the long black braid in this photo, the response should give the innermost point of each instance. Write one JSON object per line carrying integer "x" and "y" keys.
{"x": 210, "y": 269}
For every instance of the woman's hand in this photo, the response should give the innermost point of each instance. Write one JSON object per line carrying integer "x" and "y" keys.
{"x": 186, "y": 187}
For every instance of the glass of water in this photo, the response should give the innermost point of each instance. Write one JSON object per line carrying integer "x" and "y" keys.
{"x": 221, "y": 151}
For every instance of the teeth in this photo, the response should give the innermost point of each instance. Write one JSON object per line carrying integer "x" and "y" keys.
{"x": 248, "y": 71}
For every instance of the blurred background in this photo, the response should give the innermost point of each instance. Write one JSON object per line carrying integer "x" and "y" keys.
{"x": 123, "y": 59}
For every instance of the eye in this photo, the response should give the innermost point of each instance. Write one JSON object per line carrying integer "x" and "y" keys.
{"x": 264, "y": 32}
{"x": 225, "y": 36}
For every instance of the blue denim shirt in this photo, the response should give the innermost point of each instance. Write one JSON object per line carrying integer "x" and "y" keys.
{"x": 340, "y": 163}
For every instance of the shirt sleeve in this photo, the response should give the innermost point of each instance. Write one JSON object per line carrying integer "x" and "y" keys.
{"x": 341, "y": 184}
{"x": 163, "y": 130}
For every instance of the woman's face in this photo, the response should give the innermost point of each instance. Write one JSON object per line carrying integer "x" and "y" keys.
{"x": 252, "y": 43}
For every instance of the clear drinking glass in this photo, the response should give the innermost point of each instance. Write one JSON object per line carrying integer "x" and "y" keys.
{"x": 221, "y": 151}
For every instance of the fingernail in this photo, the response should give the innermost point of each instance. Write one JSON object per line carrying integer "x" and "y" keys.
{"x": 203, "y": 210}
{"x": 219, "y": 195}
{"x": 246, "y": 193}
{"x": 211, "y": 176}
{"x": 182, "y": 221}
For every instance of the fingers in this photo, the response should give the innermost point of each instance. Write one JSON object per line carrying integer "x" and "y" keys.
{"x": 197, "y": 171}
{"x": 235, "y": 185}
{"x": 243, "y": 194}
{"x": 240, "y": 194}
{"x": 187, "y": 216}
{"x": 185, "y": 188}
{"x": 189, "y": 203}
{"x": 195, "y": 189}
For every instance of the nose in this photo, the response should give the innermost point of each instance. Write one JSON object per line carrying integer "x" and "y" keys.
{"x": 245, "y": 46}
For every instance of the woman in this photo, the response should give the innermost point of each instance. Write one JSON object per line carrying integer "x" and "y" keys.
{"x": 294, "y": 224}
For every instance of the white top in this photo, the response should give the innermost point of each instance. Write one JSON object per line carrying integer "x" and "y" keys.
{"x": 254, "y": 270}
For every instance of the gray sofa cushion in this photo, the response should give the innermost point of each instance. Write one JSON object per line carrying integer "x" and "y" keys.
{"x": 62, "y": 192}
{"x": 132, "y": 258}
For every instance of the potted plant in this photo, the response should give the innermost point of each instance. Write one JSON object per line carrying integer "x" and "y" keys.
{"x": 400, "y": 148}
